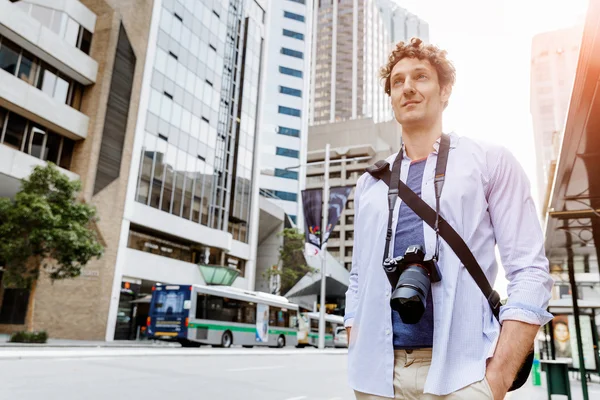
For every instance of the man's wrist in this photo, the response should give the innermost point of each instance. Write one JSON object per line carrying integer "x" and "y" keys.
{"x": 499, "y": 375}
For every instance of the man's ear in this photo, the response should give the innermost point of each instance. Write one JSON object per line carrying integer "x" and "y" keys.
{"x": 445, "y": 93}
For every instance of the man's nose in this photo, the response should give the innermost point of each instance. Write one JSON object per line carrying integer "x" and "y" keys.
{"x": 409, "y": 88}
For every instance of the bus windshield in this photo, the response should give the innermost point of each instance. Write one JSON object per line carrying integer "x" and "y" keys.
{"x": 169, "y": 303}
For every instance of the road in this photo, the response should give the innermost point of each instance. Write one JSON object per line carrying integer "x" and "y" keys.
{"x": 265, "y": 377}
{"x": 213, "y": 374}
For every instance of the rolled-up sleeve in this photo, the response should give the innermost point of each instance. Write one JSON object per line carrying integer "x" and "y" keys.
{"x": 520, "y": 241}
{"x": 352, "y": 292}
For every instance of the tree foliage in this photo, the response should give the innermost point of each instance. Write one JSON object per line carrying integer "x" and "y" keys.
{"x": 291, "y": 257}
{"x": 46, "y": 227}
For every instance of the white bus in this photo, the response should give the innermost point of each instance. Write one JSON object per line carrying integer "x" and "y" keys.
{"x": 308, "y": 332}
{"x": 221, "y": 316}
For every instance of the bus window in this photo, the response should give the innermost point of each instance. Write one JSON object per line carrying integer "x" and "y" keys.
{"x": 169, "y": 303}
{"x": 249, "y": 312}
{"x": 201, "y": 302}
{"x": 314, "y": 325}
{"x": 293, "y": 319}
{"x": 328, "y": 328}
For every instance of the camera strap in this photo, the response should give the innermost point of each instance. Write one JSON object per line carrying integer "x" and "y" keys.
{"x": 442, "y": 228}
{"x": 432, "y": 218}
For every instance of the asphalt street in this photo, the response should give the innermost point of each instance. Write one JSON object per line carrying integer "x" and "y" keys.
{"x": 165, "y": 374}
{"x": 264, "y": 377}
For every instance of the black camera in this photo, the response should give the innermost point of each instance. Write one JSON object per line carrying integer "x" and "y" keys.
{"x": 409, "y": 297}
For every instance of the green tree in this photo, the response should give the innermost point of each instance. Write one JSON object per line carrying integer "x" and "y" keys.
{"x": 291, "y": 257}
{"x": 46, "y": 228}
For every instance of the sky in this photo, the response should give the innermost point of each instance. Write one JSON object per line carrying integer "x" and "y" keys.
{"x": 490, "y": 45}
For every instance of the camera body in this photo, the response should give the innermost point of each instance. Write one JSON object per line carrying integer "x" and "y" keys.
{"x": 409, "y": 297}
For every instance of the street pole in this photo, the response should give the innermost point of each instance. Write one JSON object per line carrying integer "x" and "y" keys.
{"x": 324, "y": 250}
{"x": 575, "y": 299}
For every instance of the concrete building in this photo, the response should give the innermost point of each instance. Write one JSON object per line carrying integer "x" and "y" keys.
{"x": 159, "y": 121}
{"x": 355, "y": 145}
{"x": 284, "y": 132}
{"x": 553, "y": 64}
{"x": 69, "y": 86}
{"x": 353, "y": 39}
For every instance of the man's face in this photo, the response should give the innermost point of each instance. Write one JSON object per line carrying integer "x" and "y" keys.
{"x": 561, "y": 332}
{"x": 417, "y": 98}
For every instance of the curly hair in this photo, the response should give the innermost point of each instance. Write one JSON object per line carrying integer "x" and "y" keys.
{"x": 417, "y": 49}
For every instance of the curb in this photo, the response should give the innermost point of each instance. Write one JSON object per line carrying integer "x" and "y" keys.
{"x": 105, "y": 352}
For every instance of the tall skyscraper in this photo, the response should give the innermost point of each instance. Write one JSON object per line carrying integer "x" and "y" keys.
{"x": 353, "y": 39}
{"x": 155, "y": 107}
{"x": 554, "y": 58}
{"x": 284, "y": 110}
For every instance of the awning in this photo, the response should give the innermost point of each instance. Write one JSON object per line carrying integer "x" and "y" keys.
{"x": 573, "y": 218}
{"x": 218, "y": 274}
{"x": 336, "y": 283}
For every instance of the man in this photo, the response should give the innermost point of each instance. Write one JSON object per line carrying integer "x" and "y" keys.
{"x": 458, "y": 350}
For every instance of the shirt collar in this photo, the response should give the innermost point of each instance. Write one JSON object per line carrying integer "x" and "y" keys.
{"x": 453, "y": 142}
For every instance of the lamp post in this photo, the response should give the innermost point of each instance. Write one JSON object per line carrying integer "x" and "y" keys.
{"x": 324, "y": 250}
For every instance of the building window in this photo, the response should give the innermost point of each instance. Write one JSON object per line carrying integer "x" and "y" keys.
{"x": 294, "y": 112}
{"x": 159, "y": 246}
{"x": 292, "y": 34}
{"x": 290, "y": 91}
{"x": 292, "y": 53}
{"x": 294, "y": 218}
{"x": 349, "y": 219}
{"x": 348, "y": 252}
{"x": 281, "y": 195}
{"x": 334, "y": 235}
{"x": 281, "y": 151}
{"x": 349, "y": 235}
{"x": 23, "y": 135}
{"x": 299, "y": 1}
{"x": 348, "y": 266}
{"x": 283, "y": 173}
{"x": 291, "y": 72}
{"x": 288, "y": 131}
{"x": 293, "y": 16}
{"x": 61, "y": 24}
{"x": 14, "y": 306}
{"x": 49, "y": 80}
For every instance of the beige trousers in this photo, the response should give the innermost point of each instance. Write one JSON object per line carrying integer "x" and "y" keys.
{"x": 410, "y": 372}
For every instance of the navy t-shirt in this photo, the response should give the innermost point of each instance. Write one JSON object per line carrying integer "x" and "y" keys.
{"x": 409, "y": 232}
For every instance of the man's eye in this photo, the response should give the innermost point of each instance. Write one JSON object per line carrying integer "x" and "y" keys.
{"x": 422, "y": 76}
{"x": 398, "y": 82}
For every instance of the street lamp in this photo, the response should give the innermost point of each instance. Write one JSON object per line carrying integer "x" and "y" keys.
{"x": 325, "y": 214}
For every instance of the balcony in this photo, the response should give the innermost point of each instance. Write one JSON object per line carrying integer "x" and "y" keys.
{"x": 27, "y": 32}
{"x": 16, "y": 165}
{"x": 19, "y": 96}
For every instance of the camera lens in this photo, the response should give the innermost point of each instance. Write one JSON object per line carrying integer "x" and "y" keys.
{"x": 410, "y": 296}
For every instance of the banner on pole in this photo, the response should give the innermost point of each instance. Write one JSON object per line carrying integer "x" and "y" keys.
{"x": 337, "y": 202}
{"x": 312, "y": 201}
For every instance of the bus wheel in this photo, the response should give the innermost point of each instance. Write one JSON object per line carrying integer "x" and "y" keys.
{"x": 280, "y": 342}
{"x": 226, "y": 340}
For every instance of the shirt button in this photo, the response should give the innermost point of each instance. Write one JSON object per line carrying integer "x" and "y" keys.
{"x": 387, "y": 292}
{"x": 387, "y": 332}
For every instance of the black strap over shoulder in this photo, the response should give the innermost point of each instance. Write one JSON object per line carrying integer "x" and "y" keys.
{"x": 433, "y": 218}
{"x": 382, "y": 171}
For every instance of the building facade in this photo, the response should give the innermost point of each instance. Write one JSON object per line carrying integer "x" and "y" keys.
{"x": 70, "y": 83}
{"x": 284, "y": 132}
{"x": 155, "y": 106}
{"x": 353, "y": 39}
{"x": 554, "y": 58}
{"x": 191, "y": 213}
{"x": 355, "y": 145}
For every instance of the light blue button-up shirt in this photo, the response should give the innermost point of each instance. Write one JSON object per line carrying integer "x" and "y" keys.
{"x": 486, "y": 198}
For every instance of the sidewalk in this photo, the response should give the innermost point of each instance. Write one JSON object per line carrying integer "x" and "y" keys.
{"x": 4, "y": 342}
{"x": 530, "y": 392}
